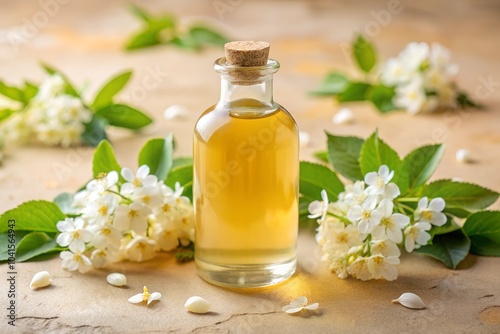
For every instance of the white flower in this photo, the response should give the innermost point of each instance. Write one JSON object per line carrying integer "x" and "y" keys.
{"x": 100, "y": 210}
{"x": 140, "y": 249}
{"x": 385, "y": 248}
{"x": 431, "y": 212}
{"x": 359, "y": 269}
{"x": 175, "y": 112}
{"x": 142, "y": 178}
{"x": 148, "y": 195}
{"x": 411, "y": 96}
{"x": 377, "y": 181}
{"x": 365, "y": 216}
{"x": 100, "y": 258}
{"x": 131, "y": 217}
{"x": 166, "y": 238}
{"x": 416, "y": 236}
{"x": 335, "y": 237}
{"x": 395, "y": 72}
{"x": 116, "y": 279}
{"x": 414, "y": 55}
{"x": 440, "y": 58}
{"x": 105, "y": 235}
{"x": 299, "y": 304}
{"x": 318, "y": 209}
{"x": 145, "y": 296}
{"x": 391, "y": 224}
{"x": 383, "y": 267}
{"x": 103, "y": 182}
{"x": 357, "y": 195}
{"x": 73, "y": 235}
{"x": 75, "y": 261}
{"x": 50, "y": 87}
{"x": 410, "y": 300}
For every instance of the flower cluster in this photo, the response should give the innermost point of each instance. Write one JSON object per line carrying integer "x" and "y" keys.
{"x": 360, "y": 232}
{"x": 423, "y": 77}
{"x": 129, "y": 220}
{"x": 52, "y": 117}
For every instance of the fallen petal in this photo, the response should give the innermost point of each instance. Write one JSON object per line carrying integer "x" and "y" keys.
{"x": 197, "y": 304}
{"x": 343, "y": 116}
{"x": 175, "y": 112}
{"x": 410, "y": 300}
{"x": 300, "y": 301}
{"x": 293, "y": 310}
{"x": 40, "y": 280}
{"x": 463, "y": 156}
{"x": 312, "y": 306}
{"x": 154, "y": 296}
{"x": 116, "y": 279}
{"x": 138, "y": 298}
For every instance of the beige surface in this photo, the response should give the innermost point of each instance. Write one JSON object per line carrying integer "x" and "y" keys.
{"x": 84, "y": 39}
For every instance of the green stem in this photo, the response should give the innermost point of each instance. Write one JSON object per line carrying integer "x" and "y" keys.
{"x": 117, "y": 193}
{"x": 408, "y": 199}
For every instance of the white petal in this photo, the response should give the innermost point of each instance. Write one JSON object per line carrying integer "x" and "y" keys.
{"x": 438, "y": 219}
{"x": 363, "y": 226}
{"x": 64, "y": 239}
{"x": 197, "y": 304}
{"x": 410, "y": 300}
{"x": 135, "y": 299}
{"x": 85, "y": 235}
{"x": 391, "y": 191}
{"x": 383, "y": 172}
{"x": 154, "y": 296}
{"x": 77, "y": 246}
{"x": 127, "y": 188}
{"x": 437, "y": 204}
{"x": 409, "y": 244}
{"x": 66, "y": 225}
{"x": 371, "y": 178}
{"x": 40, "y": 280}
{"x": 401, "y": 220}
{"x": 343, "y": 116}
{"x": 324, "y": 197}
{"x": 422, "y": 203}
{"x": 175, "y": 112}
{"x": 292, "y": 310}
{"x": 302, "y": 300}
{"x": 312, "y": 306}
{"x": 143, "y": 171}
{"x": 117, "y": 279}
{"x": 112, "y": 178}
{"x": 127, "y": 174}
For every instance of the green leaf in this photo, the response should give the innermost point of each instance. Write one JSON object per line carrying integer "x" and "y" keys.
{"x": 375, "y": 153}
{"x": 104, "y": 159}
{"x": 35, "y": 244}
{"x": 30, "y": 90}
{"x": 321, "y": 156}
{"x": 461, "y": 194}
{"x": 6, "y": 240}
{"x": 183, "y": 175}
{"x": 12, "y": 92}
{"x": 157, "y": 154}
{"x": 364, "y": 53}
{"x": 354, "y": 91}
{"x": 483, "y": 230}
{"x": 343, "y": 154}
{"x": 450, "y": 226}
{"x": 69, "y": 88}
{"x": 421, "y": 164}
{"x": 6, "y": 113}
{"x": 159, "y": 30}
{"x": 95, "y": 131}
{"x": 205, "y": 35}
{"x": 457, "y": 211}
{"x": 314, "y": 178}
{"x": 182, "y": 161}
{"x": 334, "y": 83}
{"x": 464, "y": 101}
{"x": 124, "y": 116}
{"x": 143, "y": 39}
{"x": 110, "y": 89}
{"x": 450, "y": 248}
{"x": 185, "y": 42}
{"x": 139, "y": 12}
{"x": 41, "y": 216}
{"x": 65, "y": 202}
{"x": 381, "y": 96}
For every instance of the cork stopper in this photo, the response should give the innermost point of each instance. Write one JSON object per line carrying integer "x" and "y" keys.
{"x": 247, "y": 53}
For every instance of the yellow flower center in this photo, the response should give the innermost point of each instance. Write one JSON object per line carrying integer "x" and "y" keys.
{"x": 367, "y": 214}
{"x": 166, "y": 208}
{"x": 133, "y": 213}
{"x": 378, "y": 260}
{"x": 103, "y": 210}
{"x": 75, "y": 235}
{"x": 342, "y": 238}
{"x": 146, "y": 199}
{"x": 145, "y": 293}
{"x": 427, "y": 215}
{"x": 77, "y": 258}
{"x": 106, "y": 231}
{"x": 101, "y": 176}
{"x": 380, "y": 182}
{"x": 388, "y": 222}
{"x": 137, "y": 182}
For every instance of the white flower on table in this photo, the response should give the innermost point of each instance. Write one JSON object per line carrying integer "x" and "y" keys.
{"x": 298, "y": 305}
{"x": 391, "y": 224}
{"x": 166, "y": 236}
{"x": 101, "y": 257}
{"x": 431, "y": 212}
{"x": 319, "y": 209}
{"x": 379, "y": 183}
{"x": 385, "y": 247}
{"x": 416, "y": 236}
{"x": 102, "y": 182}
{"x": 74, "y": 235}
{"x": 365, "y": 215}
{"x": 105, "y": 235}
{"x": 140, "y": 249}
{"x": 145, "y": 296}
{"x": 99, "y": 211}
{"x": 75, "y": 261}
{"x": 142, "y": 178}
{"x": 131, "y": 217}
{"x": 359, "y": 269}
{"x": 383, "y": 267}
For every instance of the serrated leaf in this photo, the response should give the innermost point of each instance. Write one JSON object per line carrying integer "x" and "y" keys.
{"x": 314, "y": 178}
{"x": 381, "y": 96}
{"x": 461, "y": 194}
{"x": 12, "y": 92}
{"x": 354, "y": 91}
{"x": 448, "y": 227}
{"x": 450, "y": 248}
{"x": 41, "y": 216}
{"x": 95, "y": 131}
{"x": 183, "y": 175}
{"x": 364, "y": 53}
{"x": 375, "y": 152}
{"x": 69, "y": 88}
{"x": 104, "y": 159}
{"x": 205, "y": 35}
{"x": 483, "y": 229}
{"x": 110, "y": 89}
{"x": 157, "y": 154}
{"x": 35, "y": 244}
{"x": 6, "y": 240}
{"x": 124, "y": 116}
{"x": 334, "y": 83}
{"x": 65, "y": 202}
{"x": 421, "y": 164}
{"x": 343, "y": 154}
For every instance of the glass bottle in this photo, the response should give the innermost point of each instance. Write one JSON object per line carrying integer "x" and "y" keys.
{"x": 246, "y": 168}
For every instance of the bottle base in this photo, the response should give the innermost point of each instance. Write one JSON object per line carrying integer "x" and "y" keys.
{"x": 246, "y": 276}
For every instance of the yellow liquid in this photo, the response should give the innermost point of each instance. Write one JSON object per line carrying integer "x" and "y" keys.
{"x": 245, "y": 193}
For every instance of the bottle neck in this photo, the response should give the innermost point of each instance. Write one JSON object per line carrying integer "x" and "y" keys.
{"x": 255, "y": 96}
